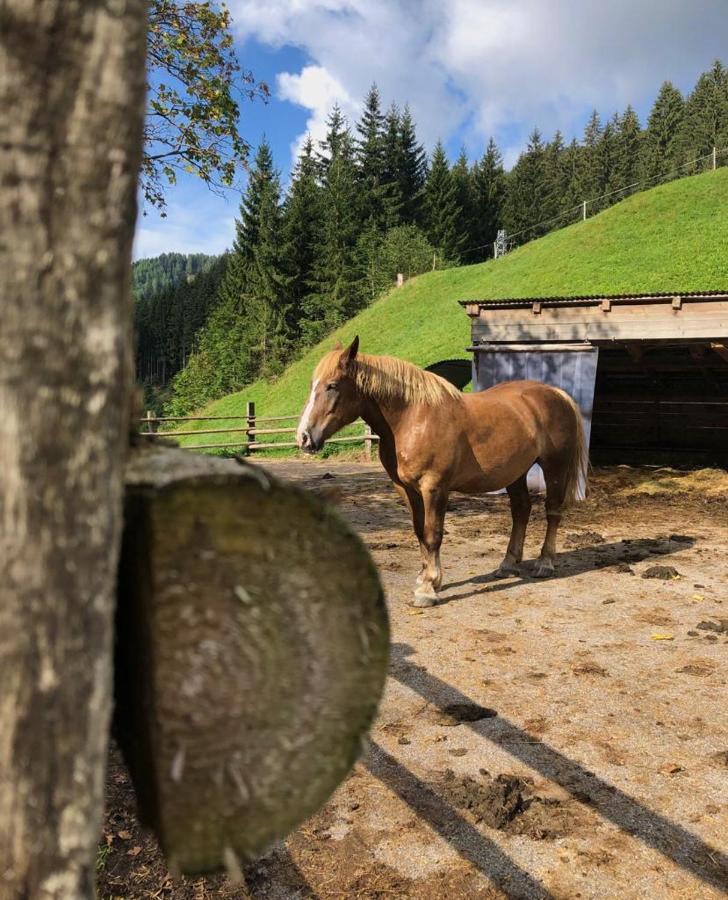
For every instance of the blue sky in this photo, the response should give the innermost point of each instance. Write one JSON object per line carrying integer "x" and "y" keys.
{"x": 468, "y": 68}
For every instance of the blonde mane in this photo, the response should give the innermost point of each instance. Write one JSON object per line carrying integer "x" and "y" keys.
{"x": 386, "y": 378}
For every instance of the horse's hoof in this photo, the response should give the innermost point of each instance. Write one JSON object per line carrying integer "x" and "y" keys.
{"x": 506, "y": 571}
{"x": 424, "y": 598}
{"x": 543, "y": 570}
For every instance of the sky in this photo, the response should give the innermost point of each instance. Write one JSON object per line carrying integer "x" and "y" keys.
{"x": 469, "y": 69}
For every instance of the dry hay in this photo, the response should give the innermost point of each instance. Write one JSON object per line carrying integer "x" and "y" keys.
{"x": 664, "y": 481}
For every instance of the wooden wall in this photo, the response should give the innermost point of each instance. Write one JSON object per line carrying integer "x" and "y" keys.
{"x": 662, "y": 404}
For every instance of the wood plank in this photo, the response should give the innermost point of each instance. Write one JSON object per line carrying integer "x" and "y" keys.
{"x": 590, "y": 323}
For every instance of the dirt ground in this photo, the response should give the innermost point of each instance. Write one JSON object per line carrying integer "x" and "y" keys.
{"x": 565, "y": 738}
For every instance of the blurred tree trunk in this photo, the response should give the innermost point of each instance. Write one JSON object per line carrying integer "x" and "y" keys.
{"x": 71, "y": 115}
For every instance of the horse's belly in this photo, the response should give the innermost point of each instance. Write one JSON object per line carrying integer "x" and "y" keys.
{"x": 480, "y": 476}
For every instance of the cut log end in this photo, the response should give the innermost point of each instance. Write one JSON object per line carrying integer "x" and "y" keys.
{"x": 251, "y": 653}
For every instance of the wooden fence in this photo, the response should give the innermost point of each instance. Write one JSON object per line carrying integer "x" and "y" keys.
{"x": 249, "y": 428}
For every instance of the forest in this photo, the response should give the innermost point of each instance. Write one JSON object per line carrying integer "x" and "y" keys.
{"x": 368, "y": 202}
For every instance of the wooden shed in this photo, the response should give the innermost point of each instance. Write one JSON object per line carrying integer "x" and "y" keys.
{"x": 649, "y": 371}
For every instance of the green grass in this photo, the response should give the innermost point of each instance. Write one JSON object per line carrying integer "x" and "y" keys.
{"x": 674, "y": 237}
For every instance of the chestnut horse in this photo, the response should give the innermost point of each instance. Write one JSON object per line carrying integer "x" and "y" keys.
{"x": 434, "y": 439}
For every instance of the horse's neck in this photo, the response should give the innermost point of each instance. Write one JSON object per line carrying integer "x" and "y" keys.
{"x": 383, "y": 419}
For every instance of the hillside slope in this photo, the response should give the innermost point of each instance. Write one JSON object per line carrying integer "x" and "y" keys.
{"x": 673, "y": 237}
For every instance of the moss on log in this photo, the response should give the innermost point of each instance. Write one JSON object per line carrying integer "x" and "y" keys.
{"x": 252, "y": 643}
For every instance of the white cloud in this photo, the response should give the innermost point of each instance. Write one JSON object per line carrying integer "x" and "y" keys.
{"x": 187, "y": 229}
{"x": 315, "y": 89}
{"x": 489, "y": 66}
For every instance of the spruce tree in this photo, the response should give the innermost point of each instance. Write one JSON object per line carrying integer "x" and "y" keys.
{"x": 301, "y": 235}
{"x": 246, "y": 336}
{"x": 266, "y": 341}
{"x": 393, "y": 164}
{"x": 378, "y": 200}
{"x": 412, "y": 173}
{"x": 530, "y": 200}
{"x": 463, "y": 178}
{"x": 589, "y": 174}
{"x": 661, "y": 144}
{"x": 605, "y": 159}
{"x": 337, "y": 133}
{"x": 442, "y": 211}
{"x": 627, "y": 152}
{"x": 489, "y": 190}
{"x": 705, "y": 123}
{"x": 335, "y": 289}
{"x": 573, "y": 170}
{"x": 557, "y": 177}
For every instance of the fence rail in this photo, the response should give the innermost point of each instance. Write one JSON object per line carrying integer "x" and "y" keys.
{"x": 248, "y": 444}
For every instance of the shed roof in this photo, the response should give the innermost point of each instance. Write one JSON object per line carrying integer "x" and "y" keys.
{"x": 599, "y": 318}
{"x": 592, "y": 299}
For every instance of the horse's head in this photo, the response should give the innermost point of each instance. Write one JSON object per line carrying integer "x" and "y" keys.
{"x": 334, "y": 400}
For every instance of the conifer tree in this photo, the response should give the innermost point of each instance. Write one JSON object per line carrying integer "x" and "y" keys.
{"x": 378, "y": 200}
{"x": 572, "y": 169}
{"x": 463, "y": 180}
{"x": 442, "y": 211}
{"x": 246, "y": 336}
{"x": 589, "y": 168}
{"x": 301, "y": 235}
{"x": 393, "y": 164}
{"x": 337, "y": 133}
{"x": 605, "y": 159}
{"x": 557, "y": 178}
{"x": 627, "y": 151}
{"x": 529, "y": 199}
{"x": 413, "y": 172}
{"x": 489, "y": 190}
{"x": 335, "y": 290}
{"x": 705, "y": 123}
{"x": 661, "y": 144}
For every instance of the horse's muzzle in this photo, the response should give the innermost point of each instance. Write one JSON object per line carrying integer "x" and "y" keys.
{"x": 308, "y": 443}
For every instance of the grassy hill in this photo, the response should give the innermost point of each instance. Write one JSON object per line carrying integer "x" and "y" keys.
{"x": 673, "y": 237}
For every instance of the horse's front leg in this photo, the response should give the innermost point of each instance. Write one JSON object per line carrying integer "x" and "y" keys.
{"x": 413, "y": 502}
{"x": 434, "y": 504}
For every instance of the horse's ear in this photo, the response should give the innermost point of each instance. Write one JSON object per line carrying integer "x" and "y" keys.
{"x": 349, "y": 355}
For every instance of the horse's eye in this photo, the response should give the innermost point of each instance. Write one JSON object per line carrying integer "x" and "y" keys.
{"x": 332, "y": 386}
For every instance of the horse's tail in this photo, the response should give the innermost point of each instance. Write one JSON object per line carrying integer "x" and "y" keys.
{"x": 577, "y": 474}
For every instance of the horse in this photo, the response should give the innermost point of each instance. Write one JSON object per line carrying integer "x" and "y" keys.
{"x": 433, "y": 439}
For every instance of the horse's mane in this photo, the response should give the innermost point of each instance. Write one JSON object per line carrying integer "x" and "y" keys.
{"x": 386, "y": 378}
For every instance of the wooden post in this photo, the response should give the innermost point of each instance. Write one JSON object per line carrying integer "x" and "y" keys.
{"x": 715, "y": 158}
{"x": 434, "y": 261}
{"x": 584, "y": 210}
{"x": 400, "y": 279}
{"x": 368, "y": 440}
{"x": 151, "y": 424}
{"x": 250, "y": 413}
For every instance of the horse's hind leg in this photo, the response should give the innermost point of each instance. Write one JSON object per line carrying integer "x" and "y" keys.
{"x": 555, "y": 474}
{"x": 520, "y": 512}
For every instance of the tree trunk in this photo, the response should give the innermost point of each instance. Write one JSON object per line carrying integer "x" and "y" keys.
{"x": 71, "y": 114}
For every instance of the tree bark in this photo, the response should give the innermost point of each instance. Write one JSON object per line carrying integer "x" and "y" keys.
{"x": 71, "y": 115}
